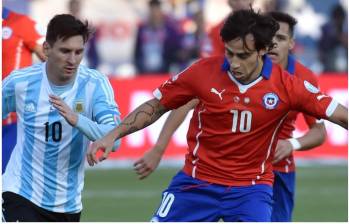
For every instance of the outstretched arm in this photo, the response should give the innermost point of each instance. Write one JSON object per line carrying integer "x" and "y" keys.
{"x": 151, "y": 159}
{"x": 313, "y": 138}
{"x": 141, "y": 117}
{"x": 92, "y": 130}
{"x": 340, "y": 116}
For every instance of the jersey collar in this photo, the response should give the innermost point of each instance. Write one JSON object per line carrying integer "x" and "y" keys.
{"x": 5, "y": 13}
{"x": 266, "y": 70}
{"x": 291, "y": 63}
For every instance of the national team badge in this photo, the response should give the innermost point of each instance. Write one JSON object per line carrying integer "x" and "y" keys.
{"x": 79, "y": 106}
{"x": 270, "y": 101}
{"x": 247, "y": 100}
{"x": 6, "y": 33}
{"x": 236, "y": 99}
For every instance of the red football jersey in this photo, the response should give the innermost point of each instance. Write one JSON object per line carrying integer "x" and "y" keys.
{"x": 19, "y": 37}
{"x": 234, "y": 129}
{"x": 294, "y": 68}
{"x": 217, "y": 45}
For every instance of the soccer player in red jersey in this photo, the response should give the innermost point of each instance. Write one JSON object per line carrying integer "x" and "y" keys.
{"x": 20, "y": 38}
{"x": 244, "y": 99}
{"x": 284, "y": 180}
{"x": 284, "y": 165}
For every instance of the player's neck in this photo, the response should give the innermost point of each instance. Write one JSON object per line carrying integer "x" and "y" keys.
{"x": 284, "y": 63}
{"x": 255, "y": 73}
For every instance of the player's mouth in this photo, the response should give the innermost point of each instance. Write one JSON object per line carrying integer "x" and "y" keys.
{"x": 273, "y": 55}
{"x": 237, "y": 75}
{"x": 69, "y": 70}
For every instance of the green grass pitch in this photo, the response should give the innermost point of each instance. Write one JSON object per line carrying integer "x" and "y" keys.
{"x": 117, "y": 195}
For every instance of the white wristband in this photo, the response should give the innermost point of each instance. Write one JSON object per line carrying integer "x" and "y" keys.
{"x": 296, "y": 145}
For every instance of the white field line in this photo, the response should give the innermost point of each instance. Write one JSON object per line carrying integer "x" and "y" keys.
{"x": 120, "y": 194}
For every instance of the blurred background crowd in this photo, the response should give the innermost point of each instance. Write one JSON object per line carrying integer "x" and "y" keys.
{"x": 139, "y": 37}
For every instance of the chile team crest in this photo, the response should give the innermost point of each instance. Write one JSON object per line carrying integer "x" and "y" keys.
{"x": 270, "y": 101}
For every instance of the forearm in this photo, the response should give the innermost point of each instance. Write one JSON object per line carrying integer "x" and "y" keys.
{"x": 173, "y": 121}
{"x": 313, "y": 138}
{"x": 141, "y": 117}
{"x": 93, "y": 130}
{"x": 340, "y": 116}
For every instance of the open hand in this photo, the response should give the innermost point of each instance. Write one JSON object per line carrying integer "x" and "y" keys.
{"x": 148, "y": 163}
{"x": 69, "y": 115}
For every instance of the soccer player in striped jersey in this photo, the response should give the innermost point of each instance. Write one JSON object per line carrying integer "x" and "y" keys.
{"x": 61, "y": 106}
{"x": 21, "y": 37}
{"x": 243, "y": 101}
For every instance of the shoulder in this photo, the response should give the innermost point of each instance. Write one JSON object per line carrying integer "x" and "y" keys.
{"x": 22, "y": 18}
{"x": 210, "y": 62}
{"x": 305, "y": 73}
{"x": 216, "y": 28}
{"x": 92, "y": 76}
{"x": 30, "y": 73}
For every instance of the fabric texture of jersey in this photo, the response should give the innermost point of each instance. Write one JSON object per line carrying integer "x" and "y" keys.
{"x": 212, "y": 202}
{"x": 297, "y": 69}
{"x": 233, "y": 131}
{"x": 47, "y": 164}
{"x": 217, "y": 45}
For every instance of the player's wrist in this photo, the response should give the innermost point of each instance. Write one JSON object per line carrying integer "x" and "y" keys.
{"x": 159, "y": 148}
{"x": 296, "y": 145}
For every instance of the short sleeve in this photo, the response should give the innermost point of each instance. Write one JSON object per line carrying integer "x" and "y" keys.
{"x": 179, "y": 89}
{"x": 305, "y": 97}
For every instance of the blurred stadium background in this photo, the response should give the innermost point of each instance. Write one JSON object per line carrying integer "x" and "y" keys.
{"x": 112, "y": 191}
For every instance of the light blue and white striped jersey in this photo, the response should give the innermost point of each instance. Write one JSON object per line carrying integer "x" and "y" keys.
{"x": 47, "y": 164}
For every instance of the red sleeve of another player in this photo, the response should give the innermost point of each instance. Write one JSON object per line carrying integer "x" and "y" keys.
{"x": 179, "y": 89}
{"x": 216, "y": 41}
{"x": 30, "y": 33}
{"x": 305, "y": 97}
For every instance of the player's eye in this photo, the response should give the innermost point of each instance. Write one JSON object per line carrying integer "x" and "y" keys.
{"x": 244, "y": 55}
{"x": 79, "y": 52}
{"x": 64, "y": 51}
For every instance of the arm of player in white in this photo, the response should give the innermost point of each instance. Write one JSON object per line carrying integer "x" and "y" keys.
{"x": 94, "y": 131}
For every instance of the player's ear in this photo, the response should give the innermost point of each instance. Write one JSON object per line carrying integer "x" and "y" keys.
{"x": 46, "y": 48}
{"x": 291, "y": 44}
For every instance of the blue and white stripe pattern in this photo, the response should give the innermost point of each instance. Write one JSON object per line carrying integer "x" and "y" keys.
{"x": 47, "y": 164}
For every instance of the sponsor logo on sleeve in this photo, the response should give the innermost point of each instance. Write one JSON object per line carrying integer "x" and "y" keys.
{"x": 310, "y": 87}
{"x": 6, "y": 33}
{"x": 270, "y": 101}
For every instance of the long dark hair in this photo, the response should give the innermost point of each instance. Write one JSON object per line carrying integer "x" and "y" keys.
{"x": 244, "y": 22}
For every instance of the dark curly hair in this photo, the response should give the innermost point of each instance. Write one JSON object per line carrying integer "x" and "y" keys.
{"x": 244, "y": 22}
{"x": 64, "y": 26}
{"x": 285, "y": 18}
